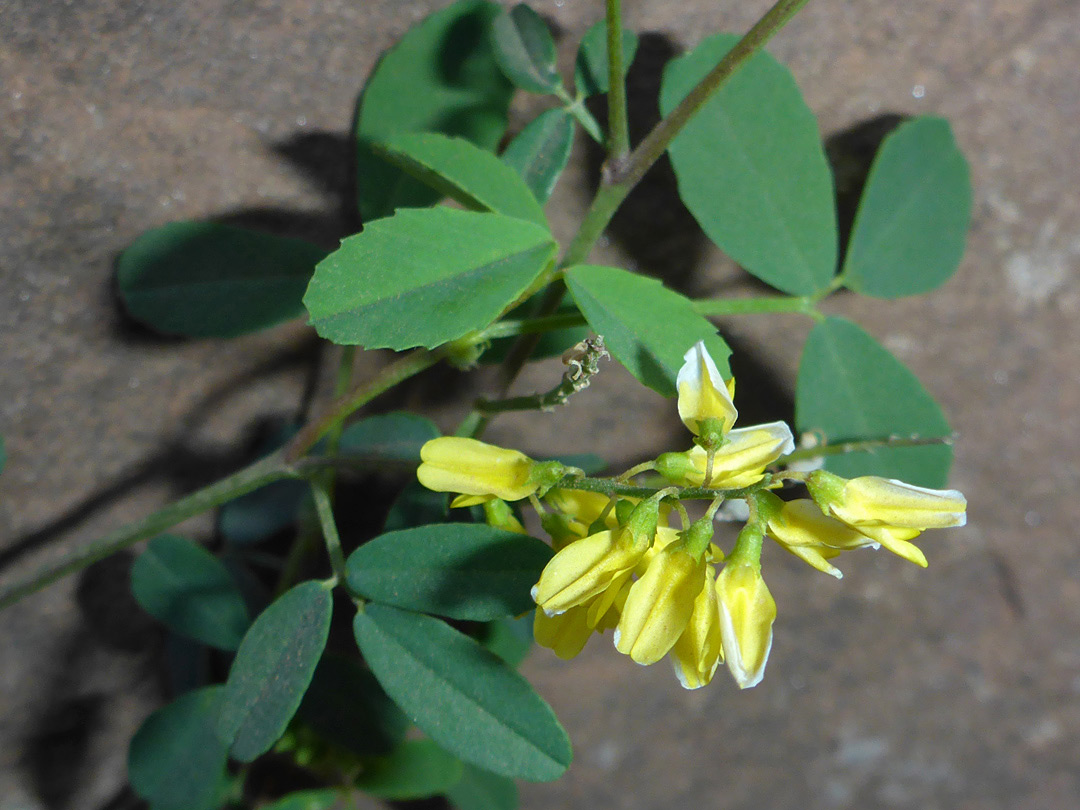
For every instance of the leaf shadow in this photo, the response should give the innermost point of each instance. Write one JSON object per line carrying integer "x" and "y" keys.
{"x": 174, "y": 461}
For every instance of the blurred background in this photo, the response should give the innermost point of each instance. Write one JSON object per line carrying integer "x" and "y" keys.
{"x": 955, "y": 687}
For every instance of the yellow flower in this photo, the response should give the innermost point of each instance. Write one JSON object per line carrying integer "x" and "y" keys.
{"x": 659, "y": 604}
{"x": 895, "y": 539}
{"x": 583, "y": 508}
{"x": 699, "y": 649}
{"x": 591, "y": 565}
{"x": 740, "y": 461}
{"x": 566, "y": 634}
{"x": 747, "y": 613}
{"x": 874, "y": 501}
{"x": 482, "y": 471}
{"x": 703, "y": 394}
{"x": 889, "y": 512}
{"x": 801, "y": 528}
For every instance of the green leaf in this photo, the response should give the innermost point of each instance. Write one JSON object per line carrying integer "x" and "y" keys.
{"x": 911, "y": 226}
{"x": 510, "y": 639}
{"x": 752, "y": 170}
{"x": 647, "y": 327}
{"x": 591, "y": 66}
{"x": 478, "y": 789}
{"x": 459, "y": 570}
{"x": 425, "y": 277}
{"x": 440, "y": 77}
{"x": 464, "y": 697}
{"x": 851, "y": 388}
{"x": 190, "y": 591}
{"x": 525, "y": 50}
{"x": 319, "y": 799}
{"x": 175, "y": 760}
{"x": 415, "y": 770}
{"x": 203, "y": 279}
{"x": 541, "y": 151}
{"x": 347, "y": 707}
{"x": 394, "y": 436}
{"x": 272, "y": 670}
{"x": 466, "y": 173}
{"x": 417, "y": 506}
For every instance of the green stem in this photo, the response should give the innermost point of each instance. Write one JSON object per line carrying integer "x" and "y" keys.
{"x": 719, "y": 307}
{"x": 473, "y": 425}
{"x": 865, "y": 445}
{"x": 342, "y": 383}
{"x": 262, "y": 472}
{"x": 613, "y": 486}
{"x": 624, "y": 175}
{"x": 325, "y": 509}
{"x": 307, "y": 531}
{"x": 637, "y": 469}
{"x": 618, "y": 129}
{"x": 657, "y": 141}
{"x": 532, "y": 326}
{"x": 341, "y": 408}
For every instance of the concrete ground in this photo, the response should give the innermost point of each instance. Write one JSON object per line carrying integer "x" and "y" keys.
{"x": 956, "y": 687}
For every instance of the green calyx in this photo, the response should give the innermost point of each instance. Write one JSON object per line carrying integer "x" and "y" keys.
{"x": 464, "y": 353}
{"x": 675, "y": 467}
{"x": 825, "y": 488}
{"x": 546, "y": 474}
{"x": 623, "y": 510}
{"x": 711, "y": 433}
{"x": 697, "y": 537}
{"x": 768, "y": 506}
{"x": 747, "y": 549}
{"x": 640, "y": 526}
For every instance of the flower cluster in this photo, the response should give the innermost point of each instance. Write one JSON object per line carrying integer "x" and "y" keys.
{"x": 671, "y": 592}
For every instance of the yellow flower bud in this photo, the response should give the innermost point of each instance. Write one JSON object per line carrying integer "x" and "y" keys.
{"x": 699, "y": 649}
{"x": 589, "y": 566}
{"x": 584, "y": 569}
{"x": 703, "y": 394}
{"x": 565, "y": 634}
{"x": 473, "y": 468}
{"x": 874, "y": 501}
{"x": 740, "y": 462}
{"x": 582, "y": 507}
{"x": 747, "y": 613}
{"x": 659, "y": 604}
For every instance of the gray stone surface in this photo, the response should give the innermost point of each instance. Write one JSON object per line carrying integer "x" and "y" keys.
{"x": 955, "y": 687}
